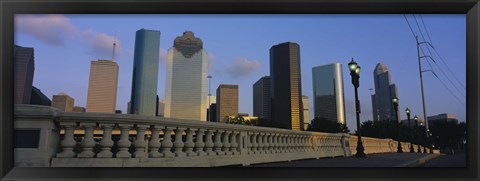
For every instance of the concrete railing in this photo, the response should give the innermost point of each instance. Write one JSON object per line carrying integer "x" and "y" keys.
{"x": 377, "y": 145}
{"x": 119, "y": 140}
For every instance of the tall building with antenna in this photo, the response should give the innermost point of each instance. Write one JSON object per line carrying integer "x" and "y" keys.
{"x": 102, "y": 85}
{"x": 382, "y": 105}
{"x": 145, "y": 73}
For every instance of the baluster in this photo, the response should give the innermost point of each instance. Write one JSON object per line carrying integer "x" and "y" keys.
{"x": 254, "y": 142}
{"x": 124, "y": 143}
{"x": 106, "y": 143}
{"x": 260, "y": 143}
{"x": 209, "y": 143}
{"x": 154, "y": 144}
{"x": 199, "y": 144}
{"x": 178, "y": 144}
{"x": 139, "y": 142}
{"x": 87, "y": 143}
{"x": 233, "y": 143}
{"x": 68, "y": 143}
{"x": 218, "y": 143}
{"x": 226, "y": 143}
{"x": 167, "y": 142}
{"x": 294, "y": 143}
{"x": 271, "y": 145}
{"x": 189, "y": 143}
{"x": 274, "y": 143}
{"x": 266, "y": 144}
{"x": 284, "y": 143}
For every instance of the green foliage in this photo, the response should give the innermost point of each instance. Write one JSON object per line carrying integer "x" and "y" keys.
{"x": 328, "y": 126}
{"x": 240, "y": 120}
{"x": 448, "y": 135}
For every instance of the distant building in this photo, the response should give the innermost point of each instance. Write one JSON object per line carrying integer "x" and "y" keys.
{"x": 442, "y": 118}
{"x": 328, "y": 96}
{"x": 38, "y": 98}
{"x": 78, "y": 109}
{"x": 145, "y": 72}
{"x": 161, "y": 107}
{"x": 261, "y": 98}
{"x": 23, "y": 69}
{"x": 102, "y": 86}
{"x": 227, "y": 101}
{"x": 213, "y": 111}
{"x": 382, "y": 104}
{"x": 63, "y": 102}
{"x": 286, "y": 86}
{"x": 306, "y": 113}
{"x": 212, "y": 100}
{"x": 186, "y": 80}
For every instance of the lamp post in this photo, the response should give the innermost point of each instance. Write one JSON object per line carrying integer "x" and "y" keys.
{"x": 355, "y": 74}
{"x": 416, "y": 125}
{"x": 395, "y": 106}
{"x": 410, "y": 129}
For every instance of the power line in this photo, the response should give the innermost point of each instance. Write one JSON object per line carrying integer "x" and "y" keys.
{"x": 441, "y": 70}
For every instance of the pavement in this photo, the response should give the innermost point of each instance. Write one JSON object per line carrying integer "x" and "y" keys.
{"x": 372, "y": 160}
{"x": 457, "y": 160}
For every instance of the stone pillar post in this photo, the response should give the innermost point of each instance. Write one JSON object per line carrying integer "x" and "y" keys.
{"x": 233, "y": 143}
{"x": 209, "y": 143}
{"x": 88, "y": 142}
{"x": 68, "y": 143}
{"x": 124, "y": 142}
{"x": 267, "y": 140}
{"x": 107, "y": 142}
{"x": 226, "y": 143}
{"x": 189, "y": 143}
{"x": 199, "y": 144}
{"x": 139, "y": 142}
{"x": 154, "y": 144}
{"x": 167, "y": 142}
{"x": 178, "y": 144}
{"x": 260, "y": 143}
{"x": 218, "y": 143}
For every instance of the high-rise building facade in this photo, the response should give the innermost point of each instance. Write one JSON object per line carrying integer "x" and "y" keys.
{"x": 261, "y": 98}
{"x": 382, "y": 104}
{"x": 63, "y": 102}
{"x": 24, "y": 67}
{"x": 145, "y": 72}
{"x": 186, "y": 80}
{"x": 227, "y": 101}
{"x": 102, "y": 86}
{"x": 285, "y": 86}
{"x": 328, "y": 96}
{"x": 306, "y": 112}
{"x": 38, "y": 98}
{"x": 161, "y": 107}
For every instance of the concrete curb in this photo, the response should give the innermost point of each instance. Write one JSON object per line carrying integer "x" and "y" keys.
{"x": 419, "y": 161}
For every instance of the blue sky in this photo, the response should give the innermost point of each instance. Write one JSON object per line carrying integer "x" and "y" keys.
{"x": 238, "y": 47}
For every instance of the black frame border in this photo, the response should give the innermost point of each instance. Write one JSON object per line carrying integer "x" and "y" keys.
{"x": 9, "y": 7}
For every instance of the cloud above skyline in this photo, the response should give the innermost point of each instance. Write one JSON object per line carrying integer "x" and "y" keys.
{"x": 242, "y": 67}
{"x": 55, "y": 29}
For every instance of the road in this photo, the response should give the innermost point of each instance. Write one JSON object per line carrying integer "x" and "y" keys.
{"x": 457, "y": 160}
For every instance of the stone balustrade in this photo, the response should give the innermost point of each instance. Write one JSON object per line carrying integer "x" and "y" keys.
{"x": 120, "y": 140}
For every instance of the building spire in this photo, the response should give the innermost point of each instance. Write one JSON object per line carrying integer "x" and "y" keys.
{"x": 114, "y": 44}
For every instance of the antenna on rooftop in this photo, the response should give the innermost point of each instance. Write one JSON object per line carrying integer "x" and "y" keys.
{"x": 114, "y": 44}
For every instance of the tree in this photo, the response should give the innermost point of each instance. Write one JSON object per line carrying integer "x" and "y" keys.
{"x": 240, "y": 120}
{"x": 324, "y": 125}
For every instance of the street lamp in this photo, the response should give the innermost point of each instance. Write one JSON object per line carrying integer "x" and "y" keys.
{"x": 410, "y": 129}
{"x": 416, "y": 125}
{"x": 355, "y": 74}
{"x": 395, "y": 106}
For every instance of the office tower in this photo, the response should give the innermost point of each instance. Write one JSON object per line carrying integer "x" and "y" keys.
{"x": 227, "y": 101}
{"x": 38, "y": 98}
{"x": 186, "y": 83}
{"x": 145, "y": 72}
{"x": 285, "y": 86}
{"x": 384, "y": 92}
{"x": 306, "y": 113}
{"x": 23, "y": 68}
{"x": 78, "y": 109}
{"x": 328, "y": 96}
{"x": 161, "y": 107}
{"x": 261, "y": 98}
{"x": 442, "y": 119}
{"x": 102, "y": 86}
{"x": 63, "y": 102}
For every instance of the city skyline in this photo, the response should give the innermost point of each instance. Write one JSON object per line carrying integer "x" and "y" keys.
{"x": 253, "y": 59}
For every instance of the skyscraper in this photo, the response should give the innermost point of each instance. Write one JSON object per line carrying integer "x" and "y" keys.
{"x": 24, "y": 67}
{"x": 261, "y": 98}
{"x": 328, "y": 100}
{"x": 186, "y": 83}
{"x": 63, "y": 102}
{"x": 145, "y": 72}
{"x": 38, "y": 98}
{"x": 286, "y": 87}
{"x": 384, "y": 92}
{"x": 102, "y": 86}
{"x": 227, "y": 101}
{"x": 306, "y": 113}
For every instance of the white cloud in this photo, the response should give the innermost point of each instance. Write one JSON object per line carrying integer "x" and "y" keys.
{"x": 243, "y": 67}
{"x": 162, "y": 56}
{"x": 56, "y": 29}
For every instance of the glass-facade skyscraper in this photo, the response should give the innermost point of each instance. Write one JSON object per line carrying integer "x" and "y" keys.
{"x": 286, "y": 86}
{"x": 328, "y": 96}
{"x": 384, "y": 92}
{"x": 145, "y": 72}
{"x": 186, "y": 83}
{"x": 23, "y": 66}
{"x": 261, "y": 98}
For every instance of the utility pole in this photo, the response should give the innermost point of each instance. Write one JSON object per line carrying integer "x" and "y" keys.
{"x": 209, "y": 94}
{"x": 421, "y": 85}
